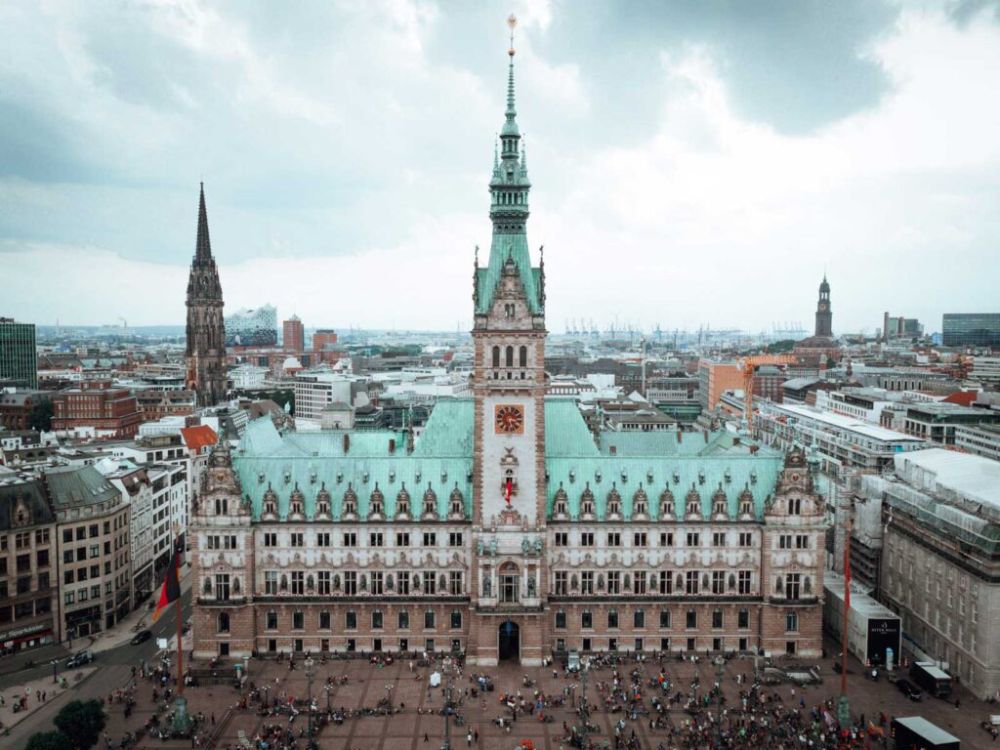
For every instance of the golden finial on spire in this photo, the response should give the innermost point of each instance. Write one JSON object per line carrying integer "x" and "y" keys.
{"x": 511, "y": 23}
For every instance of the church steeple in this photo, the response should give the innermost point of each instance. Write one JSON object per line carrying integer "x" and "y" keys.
{"x": 206, "y": 331}
{"x": 824, "y": 313}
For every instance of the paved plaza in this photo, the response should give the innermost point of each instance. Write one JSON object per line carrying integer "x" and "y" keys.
{"x": 417, "y": 722}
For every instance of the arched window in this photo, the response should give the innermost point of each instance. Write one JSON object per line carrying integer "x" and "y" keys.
{"x": 496, "y": 356}
{"x": 510, "y": 356}
{"x": 523, "y": 356}
{"x": 223, "y": 622}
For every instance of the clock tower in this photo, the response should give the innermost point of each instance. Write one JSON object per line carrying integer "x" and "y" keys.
{"x": 509, "y": 429}
{"x": 824, "y": 315}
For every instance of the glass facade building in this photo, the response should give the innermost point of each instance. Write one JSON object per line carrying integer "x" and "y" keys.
{"x": 18, "y": 361}
{"x": 252, "y": 327}
{"x": 971, "y": 329}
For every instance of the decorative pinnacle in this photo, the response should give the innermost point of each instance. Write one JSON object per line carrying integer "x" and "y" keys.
{"x": 511, "y": 23}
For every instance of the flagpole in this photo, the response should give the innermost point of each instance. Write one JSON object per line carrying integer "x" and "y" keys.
{"x": 180, "y": 629}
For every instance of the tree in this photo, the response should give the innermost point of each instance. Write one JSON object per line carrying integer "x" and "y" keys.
{"x": 41, "y": 416}
{"x": 81, "y": 722}
{"x": 48, "y": 741}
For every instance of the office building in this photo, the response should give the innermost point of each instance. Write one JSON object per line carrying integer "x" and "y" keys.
{"x": 18, "y": 360}
{"x": 971, "y": 329}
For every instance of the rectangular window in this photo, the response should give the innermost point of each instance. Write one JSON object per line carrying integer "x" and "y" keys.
{"x": 587, "y": 619}
{"x": 428, "y": 619}
{"x": 562, "y": 539}
{"x": 785, "y": 541}
{"x": 298, "y": 583}
{"x": 455, "y": 539}
{"x": 350, "y": 620}
{"x": 639, "y": 539}
{"x": 691, "y": 582}
{"x": 272, "y": 621}
{"x": 298, "y": 620}
{"x": 639, "y": 583}
{"x": 718, "y": 539}
{"x": 378, "y": 583}
{"x": 351, "y": 583}
{"x": 614, "y": 539}
{"x": 744, "y": 581}
{"x": 587, "y": 582}
{"x": 455, "y": 583}
{"x": 297, "y": 539}
{"x": 560, "y": 620}
{"x": 587, "y": 539}
{"x": 664, "y": 618}
{"x": 743, "y": 621}
{"x": 718, "y": 582}
{"x": 746, "y": 539}
{"x": 404, "y": 583}
{"x": 377, "y": 620}
{"x": 691, "y": 619}
{"x": 614, "y": 582}
{"x": 403, "y": 620}
{"x": 792, "y": 583}
{"x": 693, "y": 539}
{"x": 561, "y": 584}
{"x": 456, "y": 619}
{"x": 801, "y": 541}
{"x": 717, "y": 618}
{"x": 612, "y": 618}
{"x": 429, "y": 583}
{"x": 323, "y": 582}
{"x": 222, "y": 587}
{"x": 666, "y": 582}
{"x": 430, "y": 539}
{"x": 666, "y": 539}
{"x": 271, "y": 582}
{"x": 639, "y": 619}
{"x": 323, "y": 539}
{"x": 350, "y": 539}
{"x": 324, "y": 620}
{"x": 791, "y": 622}
{"x": 375, "y": 539}
{"x": 402, "y": 538}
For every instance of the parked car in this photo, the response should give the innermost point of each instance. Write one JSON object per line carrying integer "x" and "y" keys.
{"x": 141, "y": 637}
{"x": 573, "y": 661}
{"x": 79, "y": 659}
{"x": 910, "y": 690}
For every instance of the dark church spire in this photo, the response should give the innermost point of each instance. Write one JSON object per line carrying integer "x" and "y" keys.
{"x": 206, "y": 332}
{"x": 824, "y": 314}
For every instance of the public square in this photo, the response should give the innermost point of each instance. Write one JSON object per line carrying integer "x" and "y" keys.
{"x": 352, "y": 686}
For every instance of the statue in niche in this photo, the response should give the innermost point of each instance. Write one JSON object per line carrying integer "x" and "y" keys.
{"x": 493, "y": 546}
{"x": 487, "y": 585}
{"x": 480, "y": 548}
{"x": 526, "y": 545}
{"x": 531, "y": 586}
{"x": 538, "y": 545}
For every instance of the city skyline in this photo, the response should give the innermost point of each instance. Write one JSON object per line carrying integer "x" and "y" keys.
{"x": 876, "y": 149}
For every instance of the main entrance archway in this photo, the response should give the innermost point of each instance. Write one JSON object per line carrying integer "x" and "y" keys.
{"x": 510, "y": 642}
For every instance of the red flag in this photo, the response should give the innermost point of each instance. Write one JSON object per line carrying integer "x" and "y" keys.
{"x": 508, "y": 489}
{"x": 171, "y": 590}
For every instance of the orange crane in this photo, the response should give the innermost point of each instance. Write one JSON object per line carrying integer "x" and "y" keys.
{"x": 748, "y": 366}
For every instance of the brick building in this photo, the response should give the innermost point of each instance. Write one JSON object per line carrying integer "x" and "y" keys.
{"x": 293, "y": 337}
{"x": 111, "y": 412}
{"x": 16, "y": 408}
{"x": 505, "y": 530}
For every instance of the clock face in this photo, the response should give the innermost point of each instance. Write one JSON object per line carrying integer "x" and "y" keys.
{"x": 510, "y": 419}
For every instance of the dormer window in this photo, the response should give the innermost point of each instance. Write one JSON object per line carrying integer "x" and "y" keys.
{"x": 376, "y": 502}
{"x": 587, "y": 501}
{"x": 639, "y": 502}
{"x": 403, "y": 502}
{"x": 560, "y": 502}
{"x": 719, "y": 502}
{"x": 614, "y": 502}
{"x": 350, "y": 501}
{"x": 296, "y": 502}
{"x": 270, "y": 502}
{"x": 794, "y": 506}
{"x": 666, "y": 504}
{"x": 323, "y": 501}
{"x": 456, "y": 502}
{"x": 746, "y": 502}
{"x": 430, "y": 502}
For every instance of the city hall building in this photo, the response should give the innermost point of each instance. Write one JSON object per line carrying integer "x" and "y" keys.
{"x": 506, "y": 530}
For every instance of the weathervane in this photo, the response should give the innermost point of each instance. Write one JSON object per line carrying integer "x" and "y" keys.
{"x": 511, "y": 23}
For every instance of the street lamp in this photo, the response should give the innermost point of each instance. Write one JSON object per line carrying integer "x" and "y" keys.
{"x": 446, "y": 664}
{"x": 584, "y": 708}
{"x": 388, "y": 696}
{"x": 55, "y": 667}
{"x": 310, "y": 672}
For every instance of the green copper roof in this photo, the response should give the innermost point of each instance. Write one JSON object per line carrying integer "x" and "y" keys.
{"x": 312, "y": 462}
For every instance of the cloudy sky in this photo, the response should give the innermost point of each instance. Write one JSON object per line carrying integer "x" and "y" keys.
{"x": 693, "y": 162}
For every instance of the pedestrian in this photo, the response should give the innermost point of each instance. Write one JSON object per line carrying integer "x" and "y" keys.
{"x": 468, "y": 739}
{"x": 475, "y": 736}
{"x": 426, "y": 738}
{"x": 213, "y": 719}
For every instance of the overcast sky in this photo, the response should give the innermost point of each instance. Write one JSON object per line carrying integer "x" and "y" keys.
{"x": 692, "y": 162}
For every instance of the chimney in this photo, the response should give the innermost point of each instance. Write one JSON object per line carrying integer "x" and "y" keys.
{"x": 392, "y": 445}
{"x": 680, "y": 436}
{"x": 347, "y": 443}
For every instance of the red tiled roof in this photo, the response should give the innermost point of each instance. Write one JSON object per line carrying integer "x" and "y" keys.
{"x": 963, "y": 398}
{"x": 198, "y": 437}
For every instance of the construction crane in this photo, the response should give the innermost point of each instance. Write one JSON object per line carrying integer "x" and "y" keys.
{"x": 748, "y": 366}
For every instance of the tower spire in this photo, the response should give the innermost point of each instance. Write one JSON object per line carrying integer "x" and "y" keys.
{"x": 203, "y": 247}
